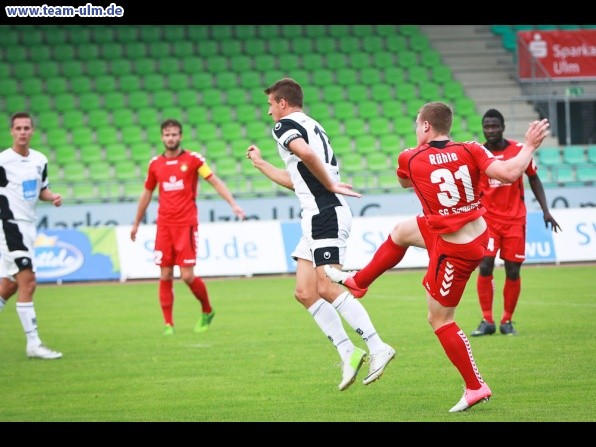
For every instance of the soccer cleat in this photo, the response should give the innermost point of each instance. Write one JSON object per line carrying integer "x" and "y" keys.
{"x": 471, "y": 398}
{"x": 485, "y": 328}
{"x": 345, "y": 279}
{"x": 350, "y": 368}
{"x": 168, "y": 329}
{"x": 203, "y": 324}
{"x": 378, "y": 362}
{"x": 42, "y": 352}
{"x": 507, "y": 328}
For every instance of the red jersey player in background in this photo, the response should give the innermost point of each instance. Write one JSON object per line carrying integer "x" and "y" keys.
{"x": 506, "y": 219}
{"x": 176, "y": 172}
{"x": 445, "y": 176}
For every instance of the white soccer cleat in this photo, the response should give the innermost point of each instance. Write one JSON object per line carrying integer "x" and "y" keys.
{"x": 471, "y": 398}
{"x": 378, "y": 362}
{"x": 350, "y": 368}
{"x": 42, "y": 352}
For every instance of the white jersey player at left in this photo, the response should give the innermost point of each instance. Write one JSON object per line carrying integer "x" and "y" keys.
{"x": 23, "y": 182}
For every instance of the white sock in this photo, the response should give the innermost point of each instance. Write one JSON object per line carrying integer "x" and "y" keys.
{"x": 328, "y": 320}
{"x": 28, "y": 319}
{"x": 357, "y": 317}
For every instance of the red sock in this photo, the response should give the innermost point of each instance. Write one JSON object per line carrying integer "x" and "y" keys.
{"x": 458, "y": 349}
{"x": 485, "y": 287}
{"x": 386, "y": 257}
{"x": 199, "y": 290}
{"x": 511, "y": 293}
{"x": 166, "y": 299}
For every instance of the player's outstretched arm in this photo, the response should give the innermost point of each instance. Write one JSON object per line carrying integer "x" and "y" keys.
{"x": 279, "y": 176}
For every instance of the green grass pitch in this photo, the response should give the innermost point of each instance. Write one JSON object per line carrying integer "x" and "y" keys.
{"x": 265, "y": 360}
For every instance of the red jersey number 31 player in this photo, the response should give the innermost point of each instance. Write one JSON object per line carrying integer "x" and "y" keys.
{"x": 176, "y": 172}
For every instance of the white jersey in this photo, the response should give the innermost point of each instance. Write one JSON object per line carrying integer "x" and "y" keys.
{"x": 313, "y": 196}
{"x": 21, "y": 181}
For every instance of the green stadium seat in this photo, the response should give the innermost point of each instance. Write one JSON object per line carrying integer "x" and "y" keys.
{"x": 226, "y": 80}
{"x": 315, "y": 31}
{"x": 226, "y": 167}
{"x": 230, "y": 47}
{"x": 377, "y": 162}
{"x": 15, "y": 103}
{"x": 350, "y": 163}
{"x": 216, "y": 150}
{"x": 320, "y": 111}
{"x": 40, "y": 103}
{"x": 586, "y": 174}
{"x": 390, "y": 144}
{"x": 254, "y": 47}
{"x": 123, "y": 118}
{"x": 132, "y": 134}
{"x": 357, "y": 93}
{"x": 367, "y": 109}
{"x": 245, "y": 32}
{"x": 141, "y": 153}
{"x": 186, "y": 98}
{"x": 82, "y": 136}
{"x": 126, "y": 170}
{"x": 391, "y": 108}
{"x": 373, "y": 43}
{"x": 97, "y": 67}
{"x": 574, "y": 155}
{"x": 270, "y": 76}
{"x": 250, "y": 79}
{"x": 87, "y": 51}
{"x": 257, "y": 129}
{"x": 9, "y": 87}
{"x": 168, "y": 65}
{"x": 247, "y": 113}
{"x": 120, "y": 67}
{"x": 379, "y": 125}
{"x": 452, "y": 90}
{"x": 126, "y": 83}
{"x": 147, "y": 116}
{"x": 57, "y": 137}
{"x": 370, "y": 76}
{"x": 163, "y": 99}
{"x": 396, "y": 43}
{"x": 115, "y": 100}
{"x": 405, "y": 92}
{"x": 144, "y": 66}
{"x": 221, "y": 114}
{"x": 205, "y": 131}
{"x": 315, "y": 61}
{"x": 112, "y": 50}
{"x": 323, "y": 77}
{"x": 341, "y": 145}
{"x": 362, "y": 30}
{"x": 339, "y": 30}
{"x": 117, "y": 152}
{"x": 29, "y": 86}
{"x": 64, "y": 102}
{"x": 158, "y": 49}
{"x": 103, "y": 34}
{"x": 418, "y": 74}
{"x": 211, "y": 98}
{"x": 221, "y": 32}
{"x": 22, "y": 70}
{"x": 72, "y": 171}
{"x": 359, "y": 59}
{"x": 80, "y": 84}
{"x": 346, "y": 76}
{"x": 333, "y": 128}
{"x": 269, "y": 32}
{"x": 54, "y": 86}
{"x": 302, "y": 46}
{"x": 564, "y": 175}
{"x": 386, "y": 30}
{"x": 14, "y": 55}
{"x": 381, "y": 92}
{"x": 48, "y": 69}
{"x": 419, "y": 42}
{"x": 383, "y": 59}
{"x": 430, "y": 58}
{"x": 592, "y": 153}
{"x": 107, "y": 135}
{"x": 153, "y": 82}
{"x": 326, "y": 45}
{"x": 429, "y": 91}
{"x": 135, "y": 51}
{"x": 198, "y": 33}
{"x": 138, "y": 99}
{"x": 464, "y": 106}
{"x": 289, "y": 62}
{"x": 236, "y": 96}
{"x": 197, "y": 114}
{"x": 349, "y": 44}
{"x": 100, "y": 171}
{"x": 39, "y": 53}
{"x": 217, "y": 64}
{"x": 175, "y": 112}
{"x": 90, "y": 153}
{"x": 407, "y": 59}
{"x": 150, "y": 34}
{"x": 202, "y": 81}
{"x": 47, "y": 120}
{"x": 550, "y": 156}
{"x": 192, "y": 65}
{"x": 355, "y": 127}
{"x": 54, "y": 35}
{"x": 264, "y": 62}
{"x": 365, "y": 144}
{"x": 240, "y": 63}
{"x": 404, "y": 125}
{"x": 343, "y": 110}
{"x": 73, "y": 119}
{"x": 183, "y": 49}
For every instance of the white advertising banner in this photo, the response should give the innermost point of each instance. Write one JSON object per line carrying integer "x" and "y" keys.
{"x": 577, "y": 241}
{"x": 225, "y": 249}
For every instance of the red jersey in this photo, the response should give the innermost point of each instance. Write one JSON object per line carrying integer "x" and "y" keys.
{"x": 177, "y": 179}
{"x": 446, "y": 177}
{"x": 504, "y": 202}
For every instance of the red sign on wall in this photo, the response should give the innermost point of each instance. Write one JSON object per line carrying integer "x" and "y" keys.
{"x": 564, "y": 55}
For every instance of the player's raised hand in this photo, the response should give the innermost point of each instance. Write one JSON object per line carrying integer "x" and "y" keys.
{"x": 537, "y": 132}
{"x": 345, "y": 189}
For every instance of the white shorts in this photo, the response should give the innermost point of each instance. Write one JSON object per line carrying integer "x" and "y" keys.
{"x": 16, "y": 246}
{"x": 324, "y": 236}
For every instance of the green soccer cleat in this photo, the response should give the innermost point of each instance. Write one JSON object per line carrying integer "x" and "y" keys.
{"x": 168, "y": 329}
{"x": 203, "y": 324}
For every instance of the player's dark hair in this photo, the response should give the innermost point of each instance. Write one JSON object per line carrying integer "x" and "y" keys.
{"x": 287, "y": 89}
{"x": 494, "y": 113}
{"x": 171, "y": 123}
{"x": 20, "y": 115}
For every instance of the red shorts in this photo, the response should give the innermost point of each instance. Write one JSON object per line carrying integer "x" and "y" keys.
{"x": 510, "y": 239}
{"x": 450, "y": 265}
{"x": 176, "y": 245}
